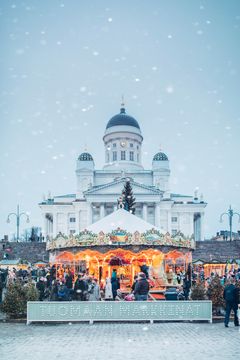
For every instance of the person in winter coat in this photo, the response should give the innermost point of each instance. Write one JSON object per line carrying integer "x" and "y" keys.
{"x": 41, "y": 288}
{"x": 62, "y": 292}
{"x": 108, "y": 290}
{"x": 54, "y": 291}
{"x": 69, "y": 281}
{"x": 115, "y": 286}
{"x": 134, "y": 282}
{"x": 94, "y": 291}
{"x": 69, "y": 285}
{"x": 80, "y": 289}
{"x": 180, "y": 293}
{"x": 231, "y": 297}
{"x": 186, "y": 287}
{"x": 141, "y": 288}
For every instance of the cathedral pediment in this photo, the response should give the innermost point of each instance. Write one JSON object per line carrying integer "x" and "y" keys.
{"x": 115, "y": 187}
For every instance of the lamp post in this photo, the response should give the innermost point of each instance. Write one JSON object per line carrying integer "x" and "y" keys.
{"x": 230, "y": 213}
{"x": 18, "y": 217}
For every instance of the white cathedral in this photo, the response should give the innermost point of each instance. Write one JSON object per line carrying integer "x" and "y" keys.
{"x": 98, "y": 190}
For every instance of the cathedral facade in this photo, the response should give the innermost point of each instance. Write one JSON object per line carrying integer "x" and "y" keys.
{"x": 97, "y": 191}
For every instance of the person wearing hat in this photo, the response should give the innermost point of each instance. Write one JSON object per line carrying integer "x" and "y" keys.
{"x": 141, "y": 289}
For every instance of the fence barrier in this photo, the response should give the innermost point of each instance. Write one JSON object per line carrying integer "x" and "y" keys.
{"x": 70, "y": 311}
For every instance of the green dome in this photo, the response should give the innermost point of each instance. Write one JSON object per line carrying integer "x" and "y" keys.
{"x": 85, "y": 157}
{"x": 160, "y": 157}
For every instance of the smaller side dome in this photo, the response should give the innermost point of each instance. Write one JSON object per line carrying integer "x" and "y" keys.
{"x": 160, "y": 156}
{"x": 85, "y": 157}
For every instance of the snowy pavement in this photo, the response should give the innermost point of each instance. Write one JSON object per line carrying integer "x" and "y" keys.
{"x": 141, "y": 341}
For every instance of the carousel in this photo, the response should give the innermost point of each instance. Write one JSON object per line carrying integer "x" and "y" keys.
{"x": 123, "y": 243}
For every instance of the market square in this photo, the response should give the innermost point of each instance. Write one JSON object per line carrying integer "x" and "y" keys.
{"x": 118, "y": 341}
{"x": 120, "y": 209}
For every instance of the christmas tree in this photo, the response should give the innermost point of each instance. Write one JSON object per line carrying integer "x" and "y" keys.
{"x": 128, "y": 199}
{"x": 13, "y": 303}
{"x": 31, "y": 293}
{"x": 16, "y": 298}
{"x": 198, "y": 291}
{"x": 215, "y": 293}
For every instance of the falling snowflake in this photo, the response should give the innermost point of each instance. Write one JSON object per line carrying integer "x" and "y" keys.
{"x": 20, "y": 51}
{"x": 169, "y": 89}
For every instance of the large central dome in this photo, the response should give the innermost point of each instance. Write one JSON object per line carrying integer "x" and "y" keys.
{"x": 122, "y": 119}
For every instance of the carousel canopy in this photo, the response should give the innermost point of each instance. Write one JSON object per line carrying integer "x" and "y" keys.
{"x": 122, "y": 219}
{"x": 120, "y": 228}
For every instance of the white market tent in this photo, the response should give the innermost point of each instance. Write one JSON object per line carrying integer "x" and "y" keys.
{"x": 124, "y": 220}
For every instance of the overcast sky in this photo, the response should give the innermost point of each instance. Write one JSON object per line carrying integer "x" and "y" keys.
{"x": 64, "y": 66}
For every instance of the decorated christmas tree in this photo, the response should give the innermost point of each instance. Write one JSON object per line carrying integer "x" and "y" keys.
{"x": 128, "y": 199}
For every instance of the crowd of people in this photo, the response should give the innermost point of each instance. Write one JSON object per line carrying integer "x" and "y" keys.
{"x": 233, "y": 272}
{"x": 62, "y": 284}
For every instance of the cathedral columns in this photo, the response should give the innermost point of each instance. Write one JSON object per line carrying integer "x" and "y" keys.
{"x": 145, "y": 212}
{"x": 157, "y": 215}
{"x": 169, "y": 222}
{"x": 102, "y": 211}
{"x": 89, "y": 214}
{"x": 45, "y": 226}
{"x": 54, "y": 232}
{"x": 77, "y": 216}
{"x": 202, "y": 226}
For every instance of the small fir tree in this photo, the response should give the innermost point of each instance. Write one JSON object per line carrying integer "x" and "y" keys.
{"x": 16, "y": 298}
{"x": 128, "y": 198}
{"x": 13, "y": 303}
{"x": 215, "y": 294}
{"x": 31, "y": 293}
{"x": 198, "y": 291}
